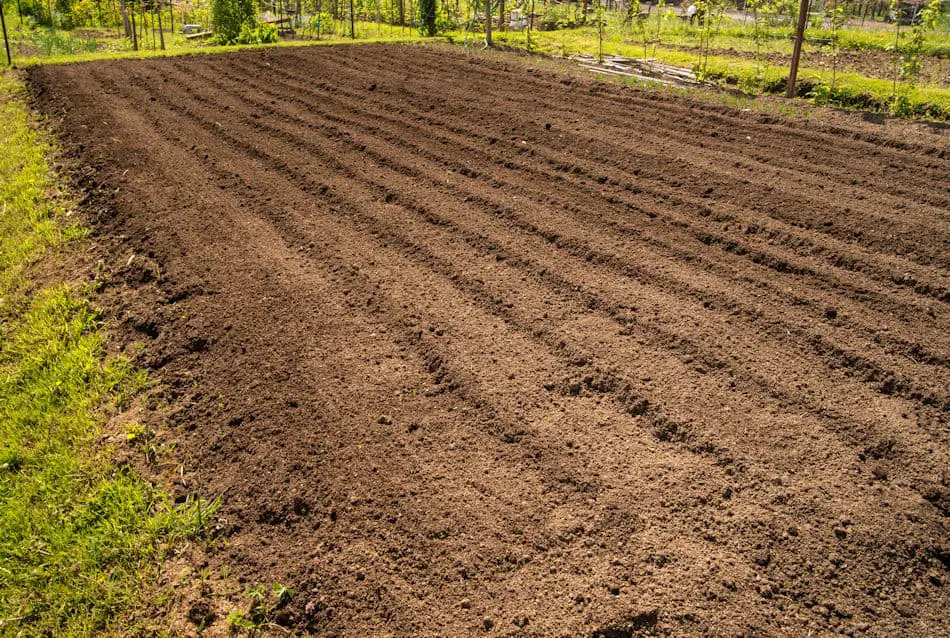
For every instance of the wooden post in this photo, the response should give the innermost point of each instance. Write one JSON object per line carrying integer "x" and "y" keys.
{"x": 487, "y": 23}
{"x": 600, "y": 31}
{"x": 797, "y": 51}
{"x": 6, "y": 40}
{"x": 530, "y": 24}
{"x": 135, "y": 37}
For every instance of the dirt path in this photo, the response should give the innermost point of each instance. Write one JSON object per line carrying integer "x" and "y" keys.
{"x": 466, "y": 349}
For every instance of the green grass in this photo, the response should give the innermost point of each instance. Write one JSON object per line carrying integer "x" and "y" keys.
{"x": 191, "y": 50}
{"x": 81, "y": 540}
{"x": 57, "y": 46}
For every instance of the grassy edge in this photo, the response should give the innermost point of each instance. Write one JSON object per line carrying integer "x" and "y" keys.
{"x": 24, "y": 62}
{"x": 852, "y": 90}
{"x": 81, "y": 538}
{"x": 848, "y": 90}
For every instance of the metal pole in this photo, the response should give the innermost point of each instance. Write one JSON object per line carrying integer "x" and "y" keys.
{"x": 6, "y": 40}
{"x": 797, "y": 52}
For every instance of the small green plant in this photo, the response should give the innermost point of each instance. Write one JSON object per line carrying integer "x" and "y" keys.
{"x": 600, "y": 22}
{"x": 821, "y": 94}
{"x": 238, "y": 620}
{"x": 640, "y": 26}
{"x": 838, "y": 19}
{"x": 764, "y": 13}
{"x": 144, "y": 437}
{"x": 710, "y": 14}
{"x": 662, "y": 15}
{"x": 263, "y": 604}
{"x": 910, "y": 58}
{"x": 908, "y": 67}
{"x": 282, "y": 594}
{"x": 557, "y": 16}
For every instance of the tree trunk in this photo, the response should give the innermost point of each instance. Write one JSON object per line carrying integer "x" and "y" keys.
{"x": 487, "y": 22}
{"x": 135, "y": 36}
{"x": 129, "y": 29}
{"x": 161, "y": 32}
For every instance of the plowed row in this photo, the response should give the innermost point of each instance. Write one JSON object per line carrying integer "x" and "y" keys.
{"x": 466, "y": 346}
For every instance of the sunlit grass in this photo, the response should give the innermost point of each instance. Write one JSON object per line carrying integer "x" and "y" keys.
{"x": 80, "y": 539}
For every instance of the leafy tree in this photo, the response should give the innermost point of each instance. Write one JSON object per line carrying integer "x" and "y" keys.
{"x": 229, "y": 17}
{"x": 427, "y": 15}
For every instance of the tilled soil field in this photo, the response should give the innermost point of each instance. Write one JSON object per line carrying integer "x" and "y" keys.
{"x": 468, "y": 347}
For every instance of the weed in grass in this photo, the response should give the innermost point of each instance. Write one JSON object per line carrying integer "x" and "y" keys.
{"x": 263, "y": 606}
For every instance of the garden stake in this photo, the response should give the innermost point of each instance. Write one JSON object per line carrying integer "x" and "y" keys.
{"x": 797, "y": 51}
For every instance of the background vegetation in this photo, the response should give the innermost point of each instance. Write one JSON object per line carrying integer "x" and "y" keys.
{"x": 855, "y": 55}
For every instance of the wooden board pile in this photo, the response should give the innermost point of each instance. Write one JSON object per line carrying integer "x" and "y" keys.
{"x": 645, "y": 69}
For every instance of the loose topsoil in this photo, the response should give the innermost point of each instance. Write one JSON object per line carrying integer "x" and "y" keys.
{"x": 466, "y": 347}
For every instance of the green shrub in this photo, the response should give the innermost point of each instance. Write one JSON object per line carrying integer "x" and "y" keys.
{"x": 255, "y": 33}
{"x": 229, "y": 18}
{"x": 427, "y": 16}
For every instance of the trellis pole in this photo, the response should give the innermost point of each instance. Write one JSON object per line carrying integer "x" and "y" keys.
{"x": 797, "y": 51}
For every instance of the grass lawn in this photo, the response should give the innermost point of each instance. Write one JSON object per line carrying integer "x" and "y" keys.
{"x": 80, "y": 538}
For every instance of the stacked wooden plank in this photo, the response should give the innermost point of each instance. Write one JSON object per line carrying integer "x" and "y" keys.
{"x": 645, "y": 69}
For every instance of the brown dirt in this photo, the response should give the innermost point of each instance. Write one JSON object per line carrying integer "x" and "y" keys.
{"x": 469, "y": 349}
